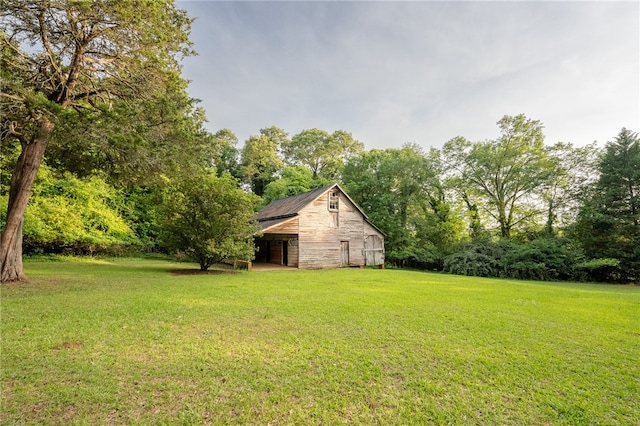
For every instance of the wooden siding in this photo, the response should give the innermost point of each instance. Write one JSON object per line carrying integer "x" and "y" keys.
{"x": 320, "y": 243}
{"x": 288, "y": 227}
{"x": 317, "y": 237}
{"x": 293, "y": 253}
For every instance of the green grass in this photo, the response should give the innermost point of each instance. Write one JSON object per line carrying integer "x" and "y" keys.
{"x": 125, "y": 342}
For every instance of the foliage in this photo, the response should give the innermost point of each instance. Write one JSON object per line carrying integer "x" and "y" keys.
{"x": 479, "y": 259}
{"x": 545, "y": 259}
{"x": 208, "y": 218}
{"x": 323, "y": 153}
{"x": 602, "y": 269}
{"x": 71, "y": 215}
{"x": 400, "y": 191}
{"x": 504, "y": 175}
{"x": 260, "y": 162}
{"x": 142, "y": 215}
{"x": 608, "y": 224}
{"x": 135, "y": 142}
{"x": 295, "y": 180}
{"x": 573, "y": 171}
{"x": 225, "y": 153}
{"x": 71, "y": 62}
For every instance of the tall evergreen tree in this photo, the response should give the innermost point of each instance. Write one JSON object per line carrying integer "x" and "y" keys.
{"x": 609, "y": 221}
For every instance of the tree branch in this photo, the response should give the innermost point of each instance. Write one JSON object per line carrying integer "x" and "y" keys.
{"x": 45, "y": 42}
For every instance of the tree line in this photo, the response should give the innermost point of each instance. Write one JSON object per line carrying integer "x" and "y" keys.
{"x": 103, "y": 151}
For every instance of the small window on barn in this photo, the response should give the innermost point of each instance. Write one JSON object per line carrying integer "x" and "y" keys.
{"x": 334, "y": 199}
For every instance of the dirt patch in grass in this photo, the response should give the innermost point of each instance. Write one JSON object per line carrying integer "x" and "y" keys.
{"x": 68, "y": 345}
{"x": 199, "y": 272}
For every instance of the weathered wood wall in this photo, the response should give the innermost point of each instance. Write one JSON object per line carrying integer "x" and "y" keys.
{"x": 320, "y": 240}
{"x": 288, "y": 227}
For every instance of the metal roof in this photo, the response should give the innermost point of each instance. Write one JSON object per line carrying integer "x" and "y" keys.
{"x": 290, "y": 206}
{"x": 280, "y": 211}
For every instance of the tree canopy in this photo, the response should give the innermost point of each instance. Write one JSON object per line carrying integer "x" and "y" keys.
{"x": 208, "y": 219}
{"x": 505, "y": 173}
{"x": 78, "y": 62}
{"x": 323, "y": 153}
{"x": 609, "y": 221}
{"x": 260, "y": 161}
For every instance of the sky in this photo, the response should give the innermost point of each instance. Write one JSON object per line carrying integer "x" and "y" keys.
{"x": 421, "y": 72}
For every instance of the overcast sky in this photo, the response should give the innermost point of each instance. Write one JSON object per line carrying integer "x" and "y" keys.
{"x": 423, "y": 72}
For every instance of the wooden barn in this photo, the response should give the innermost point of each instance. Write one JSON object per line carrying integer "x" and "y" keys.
{"x": 323, "y": 228}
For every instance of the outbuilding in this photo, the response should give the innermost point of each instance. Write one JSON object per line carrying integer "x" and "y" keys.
{"x": 323, "y": 228}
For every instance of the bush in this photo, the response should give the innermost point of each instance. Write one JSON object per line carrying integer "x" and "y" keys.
{"x": 544, "y": 259}
{"x": 478, "y": 259}
{"x": 540, "y": 259}
{"x": 74, "y": 216}
{"x": 601, "y": 269}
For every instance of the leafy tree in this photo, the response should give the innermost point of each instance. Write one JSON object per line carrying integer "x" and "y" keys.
{"x": 260, "y": 162}
{"x": 608, "y": 224}
{"x": 208, "y": 218}
{"x": 134, "y": 143}
{"x": 294, "y": 180}
{"x": 400, "y": 191}
{"x": 84, "y": 58}
{"x": 323, "y": 153}
{"x": 225, "y": 153}
{"x": 506, "y": 174}
{"x": 573, "y": 171}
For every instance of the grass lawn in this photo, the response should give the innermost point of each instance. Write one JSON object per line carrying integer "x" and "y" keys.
{"x": 126, "y": 342}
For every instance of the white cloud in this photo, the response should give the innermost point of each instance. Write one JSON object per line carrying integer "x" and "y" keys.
{"x": 421, "y": 72}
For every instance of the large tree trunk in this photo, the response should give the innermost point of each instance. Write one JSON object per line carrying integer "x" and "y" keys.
{"x": 24, "y": 174}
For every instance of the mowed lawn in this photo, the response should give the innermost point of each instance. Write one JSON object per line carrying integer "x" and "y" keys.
{"x": 127, "y": 342}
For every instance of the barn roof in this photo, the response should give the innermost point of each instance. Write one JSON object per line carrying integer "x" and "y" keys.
{"x": 284, "y": 209}
{"x": 290, "y": 206}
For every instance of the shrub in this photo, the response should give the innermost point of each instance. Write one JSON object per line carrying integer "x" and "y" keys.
{"x": 74, "y": 216}
{"x": 479, "y": 259}
{"x": 542, "y": 259}
{"x": 602, "y": 269}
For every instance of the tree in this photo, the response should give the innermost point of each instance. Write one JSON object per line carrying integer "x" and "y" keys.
{"x": 83, "y": 58}
{"x": 505, "y": 174}
{"x": 208, "y": 218}
{"x": 260, "y": 162}
{"x": 608, "y": 224}
{"x": 573, "y": 171}
{"x": 400, "y": 191}
{"x": 323, "y": 153}
{"x": 225, "y": 153}
{"x": 294, "y": 180}
{"x": 134, "y": 143}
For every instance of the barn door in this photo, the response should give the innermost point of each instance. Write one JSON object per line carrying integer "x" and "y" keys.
{"x": 373, "y": 250}
{"x": 344, "y": 253}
